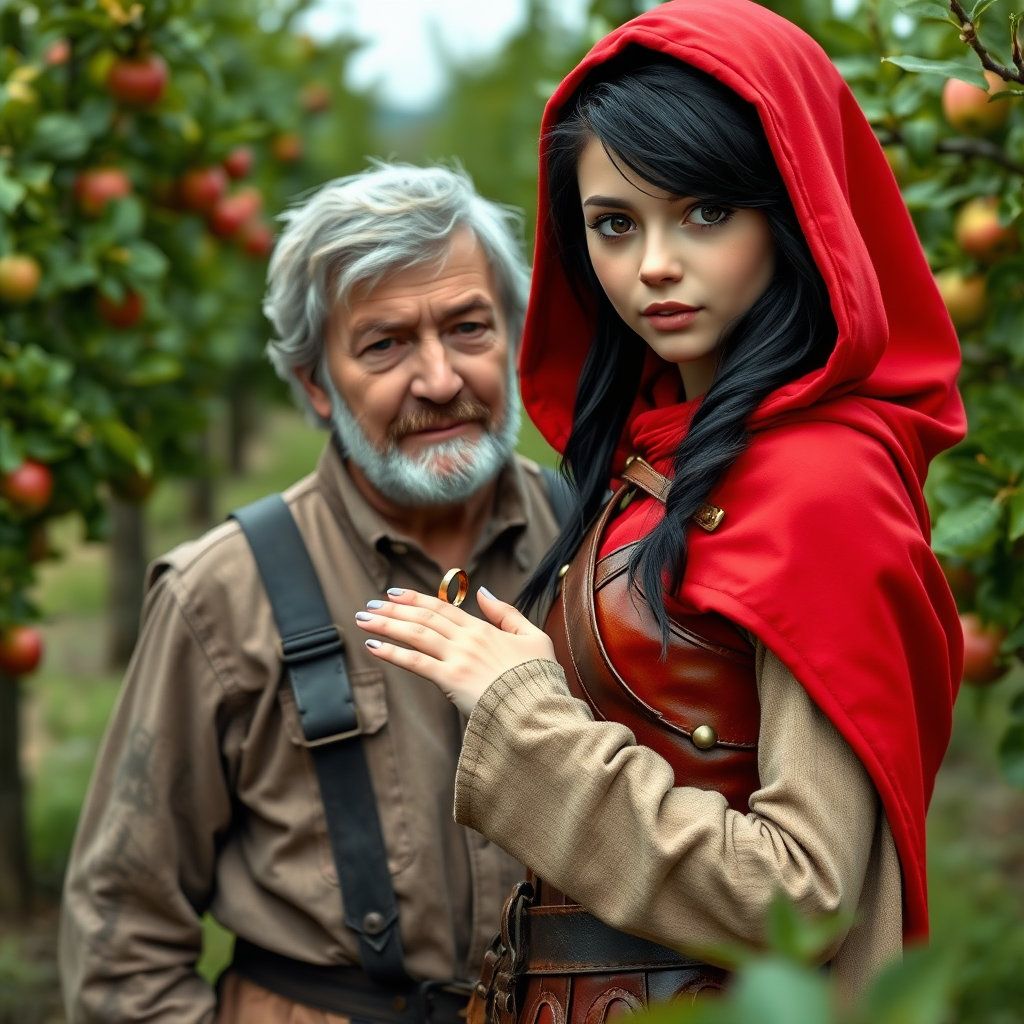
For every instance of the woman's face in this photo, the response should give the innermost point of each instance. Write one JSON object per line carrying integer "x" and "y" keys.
{"x": 676, "y": 271}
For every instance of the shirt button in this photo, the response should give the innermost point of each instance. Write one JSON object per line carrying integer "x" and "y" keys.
{"x": 398, "y": 548}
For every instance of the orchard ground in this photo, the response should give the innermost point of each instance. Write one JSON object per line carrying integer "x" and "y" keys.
{"x": 976, "y": 824}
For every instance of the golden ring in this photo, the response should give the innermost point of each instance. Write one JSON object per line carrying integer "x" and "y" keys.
{"x": 442, "y": 591}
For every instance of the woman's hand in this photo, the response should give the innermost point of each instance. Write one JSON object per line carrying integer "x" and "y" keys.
{"x": 458, "y": 653}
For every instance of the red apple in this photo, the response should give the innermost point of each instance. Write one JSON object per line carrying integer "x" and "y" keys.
{"x": 19, "y": 278}
{"x": 979, "y": 233}
{"x": 257, "y": 238}
{"x": 286, "y": 148}
{"x": 967, "y": 107}
{"x": 981, "y": 647}
{"x": 201, "y": 188}
{"x": 965, "y": 298}
{"x": 21, "y": 650}
{"x": 137, "y": 81}
{"x": 126, "y": 313}
{"x": 58, "y": 52}
{"x": 238, "y": 163}
{"x": 96, "y": 187}
{"x": 232, "y": 212}
{"x": 29, "y": 487}
{"x": 315, "y": 98}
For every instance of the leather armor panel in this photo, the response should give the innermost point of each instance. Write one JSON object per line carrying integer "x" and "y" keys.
{"x": 608, "y": 643}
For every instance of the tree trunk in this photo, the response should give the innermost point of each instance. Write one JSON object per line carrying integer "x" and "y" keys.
{"x": 127, "y": 573}
{"x": 199, "y": 511}
{"x": 240, "y": 424}
{"x": 15, "y": 882}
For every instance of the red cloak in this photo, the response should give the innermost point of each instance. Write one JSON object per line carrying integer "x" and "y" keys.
{"x": 823, "y": 552}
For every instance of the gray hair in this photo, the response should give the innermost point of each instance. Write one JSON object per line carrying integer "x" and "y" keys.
{"x": 358, "y": 229}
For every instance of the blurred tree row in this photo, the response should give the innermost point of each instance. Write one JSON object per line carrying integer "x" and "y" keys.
{"x": 144, "y": 147}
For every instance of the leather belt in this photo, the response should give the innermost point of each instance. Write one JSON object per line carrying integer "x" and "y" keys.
{"x": 349, "y": 991}
{"x": 568, "y": 940}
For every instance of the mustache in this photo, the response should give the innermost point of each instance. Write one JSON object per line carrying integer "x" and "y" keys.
{"x": 463, "y": 410}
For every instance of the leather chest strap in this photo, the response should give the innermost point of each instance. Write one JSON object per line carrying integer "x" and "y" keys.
{"x": 568, "y": 940}
{"x": 643, "y": 475}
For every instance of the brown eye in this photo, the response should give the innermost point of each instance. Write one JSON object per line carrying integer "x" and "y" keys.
{"x": 708, "y": 215}
{"x": 613, "y": 225}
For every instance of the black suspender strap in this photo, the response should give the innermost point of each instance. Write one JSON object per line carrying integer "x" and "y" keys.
{"x": 313, "y": 650}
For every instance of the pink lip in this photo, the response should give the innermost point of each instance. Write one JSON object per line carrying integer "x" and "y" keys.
{"x": 669, "y": 307}
{"x": 670, "y": 316}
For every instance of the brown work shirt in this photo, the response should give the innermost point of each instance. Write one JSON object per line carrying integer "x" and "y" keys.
{"x": 204, "y": 798}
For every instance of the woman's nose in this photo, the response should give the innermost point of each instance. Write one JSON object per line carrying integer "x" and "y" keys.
{"x": 659, "y": 263}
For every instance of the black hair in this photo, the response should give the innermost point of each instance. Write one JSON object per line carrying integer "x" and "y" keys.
{"x": 687, "y": 134}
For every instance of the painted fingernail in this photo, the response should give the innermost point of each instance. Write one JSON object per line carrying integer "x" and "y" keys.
{"x": 363, "y": 616}
{"x": 487, "y": 594}
{"x": 396, "y": 591}
{"x": 373, "y": 644}
{"x": 374, "y": 604}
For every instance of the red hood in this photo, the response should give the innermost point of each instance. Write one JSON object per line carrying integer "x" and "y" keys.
{"x": 895, "y": 340}
{"x": 847, "y": 565}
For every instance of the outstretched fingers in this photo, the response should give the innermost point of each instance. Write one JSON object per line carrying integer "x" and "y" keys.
{"x": 413, "y": 661}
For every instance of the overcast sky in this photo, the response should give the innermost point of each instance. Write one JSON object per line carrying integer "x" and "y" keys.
{"x": 400, "y": 57}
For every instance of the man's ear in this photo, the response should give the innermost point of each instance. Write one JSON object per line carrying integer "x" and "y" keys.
{"x": 318, "y": 397}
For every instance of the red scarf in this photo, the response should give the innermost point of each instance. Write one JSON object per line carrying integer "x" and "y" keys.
{"x": 823, "y": 552}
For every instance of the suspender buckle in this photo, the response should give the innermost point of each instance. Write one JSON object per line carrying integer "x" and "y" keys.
{"x": 335, "y": 737}
{"x": 317, "y": 643}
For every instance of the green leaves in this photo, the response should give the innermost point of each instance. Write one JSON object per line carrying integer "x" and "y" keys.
{"x": 1011, "y": 755}
{"x": 12, "y": 191}
{"x": 59, "y": 137}
{"x": 924, "y": 8}
{"x": 967, "y": 529}
{"x": 966, "y": 70}
{"x": 915, "y": 990}
{"x": 126, "y": 444}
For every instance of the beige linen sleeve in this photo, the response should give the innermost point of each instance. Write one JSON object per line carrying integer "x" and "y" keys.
{"x": 601, "y": 818}
{"x": 142, "y": 865}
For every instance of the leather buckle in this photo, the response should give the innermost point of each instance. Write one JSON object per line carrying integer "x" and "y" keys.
{"x": 337, "y": 736}
{"x": 317, "y": 643}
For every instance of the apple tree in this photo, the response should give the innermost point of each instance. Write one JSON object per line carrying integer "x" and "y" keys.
{"x": 143, "y": 150}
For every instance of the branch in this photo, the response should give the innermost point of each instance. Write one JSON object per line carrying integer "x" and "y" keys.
{"x": 980, "y": 148}
{"x": 969, "y": 34}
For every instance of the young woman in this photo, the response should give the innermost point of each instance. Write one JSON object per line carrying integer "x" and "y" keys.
{"x": 746, "y": 678}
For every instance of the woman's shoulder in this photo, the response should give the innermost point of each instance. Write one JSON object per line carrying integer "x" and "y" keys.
{"x": 820, "y": 465}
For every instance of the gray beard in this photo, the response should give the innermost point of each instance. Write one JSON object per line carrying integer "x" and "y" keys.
{"x": 446, "y": 474}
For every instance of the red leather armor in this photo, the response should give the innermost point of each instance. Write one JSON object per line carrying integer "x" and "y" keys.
{"x": 698, "y": 708}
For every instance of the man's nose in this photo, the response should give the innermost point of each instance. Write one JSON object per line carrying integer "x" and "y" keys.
{"x": 435, "y": 379}
{"x": 659, "y": 263}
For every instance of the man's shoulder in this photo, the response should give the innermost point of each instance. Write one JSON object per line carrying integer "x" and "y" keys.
{"x": 221, "y": 556}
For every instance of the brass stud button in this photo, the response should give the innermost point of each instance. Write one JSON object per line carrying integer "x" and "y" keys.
{"x": 563, "y": 570}
{"x": 630, "y": 460}
{"x": 373, "y": 923}
{"x": 704, "y": 737}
